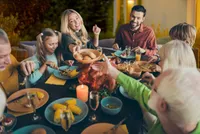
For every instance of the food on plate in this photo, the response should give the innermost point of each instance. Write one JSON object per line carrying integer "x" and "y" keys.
{"x": 67, "y": 119}
{"x": 78, "y": 56}
{"x": 95, "y": 79}
{"x": 147, "y": 67}
{"x": 2, "y": 129}
{"x": 87, "y": 58}
{"x": 57, "y": 106}
{"x": 8, "y": 121}
{"x": 70, "y": 102}
{"x": 39, "y": 94}
{"x": 75, "y": 109}
{"x": 70, "y": 73}
{"x": 39, "y": 131}
{"x": 58, "y": 115}
{"x": 92, "y": 55}
{"x": 72, "y": 116}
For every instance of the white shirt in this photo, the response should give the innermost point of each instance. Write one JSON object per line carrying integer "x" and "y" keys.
{"x": 2, "y": 102}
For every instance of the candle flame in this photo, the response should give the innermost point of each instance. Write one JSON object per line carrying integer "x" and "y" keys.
{"x": 82, "y": 86}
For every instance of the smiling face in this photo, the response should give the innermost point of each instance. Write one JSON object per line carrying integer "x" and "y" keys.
{"x": 5, "y": 50}
{"x": 51, "y": 43}
{"x": 75, "y": 22}
{"x": 136, "y": 19}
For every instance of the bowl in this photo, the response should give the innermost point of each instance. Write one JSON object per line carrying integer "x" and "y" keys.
{"x": 79, "y": 56}
{"x": 111, "y": 105}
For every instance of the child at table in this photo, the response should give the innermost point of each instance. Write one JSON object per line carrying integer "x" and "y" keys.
{"x": 46, "y": 53}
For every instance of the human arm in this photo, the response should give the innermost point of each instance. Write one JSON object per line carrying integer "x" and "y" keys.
{"x": 96, "y": 30}
{"x": 151, "y": 44}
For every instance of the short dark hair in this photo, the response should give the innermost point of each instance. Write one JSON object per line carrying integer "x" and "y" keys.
{"x": 139, "y": 8}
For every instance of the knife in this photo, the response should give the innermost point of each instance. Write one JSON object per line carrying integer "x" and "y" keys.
{"x": 58, "y": 68}
{"x": 108, "y": 48}
{"x": 16, "y": 98}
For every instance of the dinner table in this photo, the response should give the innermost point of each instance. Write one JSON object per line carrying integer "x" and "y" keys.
{"x": 130, "y": 109}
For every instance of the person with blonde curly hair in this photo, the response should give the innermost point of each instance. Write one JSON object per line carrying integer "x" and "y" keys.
{"x": 185, "y": 32}
{"x": 75, "y": 35}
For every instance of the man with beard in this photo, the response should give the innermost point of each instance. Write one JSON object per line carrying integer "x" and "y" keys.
{"x": 136, "y": 35}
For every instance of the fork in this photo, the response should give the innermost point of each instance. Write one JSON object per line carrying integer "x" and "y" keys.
{"x": 24, "y": 81}
{"x": 115, "y": 126}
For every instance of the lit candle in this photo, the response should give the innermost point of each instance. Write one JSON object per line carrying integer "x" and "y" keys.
{"x": 82, "y": 92}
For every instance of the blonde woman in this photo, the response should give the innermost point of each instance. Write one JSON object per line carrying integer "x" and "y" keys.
{"x": 173, "y": 99}
{"x": 184, "y": 32}
{"x": 174, "y": 54}
{"x": 74, "y": 34}
{"x": 46, "y": 53}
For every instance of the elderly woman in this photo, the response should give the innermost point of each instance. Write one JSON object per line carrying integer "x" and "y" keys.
{"x": 74, "y": 34}
{"x": 174, "y": 54}
{"x": 176, "y": 107}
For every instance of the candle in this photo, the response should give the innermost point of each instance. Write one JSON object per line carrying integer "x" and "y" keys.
{"x": 82, "y": 92}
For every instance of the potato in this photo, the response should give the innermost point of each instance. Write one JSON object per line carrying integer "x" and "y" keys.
{"x": 78, "y": 56}
{"x": 84, "y": 54}
{"x": 92, "y": 55}
{"x": 87, "y": 58}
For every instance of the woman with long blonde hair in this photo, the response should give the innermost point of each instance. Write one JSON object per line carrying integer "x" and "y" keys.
{"x": 74, "y": 34}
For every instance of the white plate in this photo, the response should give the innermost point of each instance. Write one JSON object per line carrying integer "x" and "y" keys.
{"x": 122, "y": 91}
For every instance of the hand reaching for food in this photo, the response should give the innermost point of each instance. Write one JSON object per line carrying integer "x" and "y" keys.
{"x": 138, "y": 49}
{"x": 51, "y": 64}
{"x": 148, "y": 77}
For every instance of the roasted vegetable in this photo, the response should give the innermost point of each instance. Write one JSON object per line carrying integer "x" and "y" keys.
{"x": 59, "y": 106}
{"x": 70, "y": 102}
{"x": 75, "y": 109}
{"x": 57, "y": 115}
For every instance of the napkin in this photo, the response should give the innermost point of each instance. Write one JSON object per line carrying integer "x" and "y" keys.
{"x": 124, "y": 128}
{"x": 55, "y": 81}
{"x": 16, "y": 114}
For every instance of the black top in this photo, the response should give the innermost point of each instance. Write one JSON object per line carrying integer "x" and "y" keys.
{"x": 67, "y": 40}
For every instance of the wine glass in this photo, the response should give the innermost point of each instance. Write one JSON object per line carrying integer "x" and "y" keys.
{"x": 94, "y": 103}
{"x": 100, "y": 50}
{"x": 31, "y": 98}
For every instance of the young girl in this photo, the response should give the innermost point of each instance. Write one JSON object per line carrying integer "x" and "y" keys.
{"x": 46, "y": 54}
{"x": 74, "y": 34}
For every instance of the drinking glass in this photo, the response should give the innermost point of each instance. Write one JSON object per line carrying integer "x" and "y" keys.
{"x": 31, "y": 98}
{"x": 93, "y": 103}
{"x": 137, "y": 55}
{"x": 100, "y": 50}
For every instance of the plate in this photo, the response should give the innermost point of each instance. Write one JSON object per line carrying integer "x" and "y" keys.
{"x": 145, "y": 66}
{"x": 19, "y": 106}
{"x": 49, "y": 112}
{"x": 100, "y": 128}
{"x": 119, "y": 52}
{"x": 58, "y": 74}
{"x": 8, "y": 128}
{"x": 122, "y": 91}
{"x": 30, "y": 128}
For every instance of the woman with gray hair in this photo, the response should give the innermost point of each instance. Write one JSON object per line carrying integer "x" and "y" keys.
{"x": 174, "y": 54}
{"x": 173, "y": 99}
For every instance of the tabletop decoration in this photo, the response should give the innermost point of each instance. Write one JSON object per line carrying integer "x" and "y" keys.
{"x": 82, "y": 92}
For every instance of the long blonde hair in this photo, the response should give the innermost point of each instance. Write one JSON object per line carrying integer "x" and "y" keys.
{"x": 184, "y": 32}
{"x": 40, "y": 47}
{"x": 175, "y": 54}
{"x": 65, "y": 28}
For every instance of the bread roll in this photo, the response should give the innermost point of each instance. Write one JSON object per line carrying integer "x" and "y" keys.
{"x": 39, "y": 131}
{"x": 92, "y": 55}
{"x": 78, "y": 56}
{"x": 87, "y": 58}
